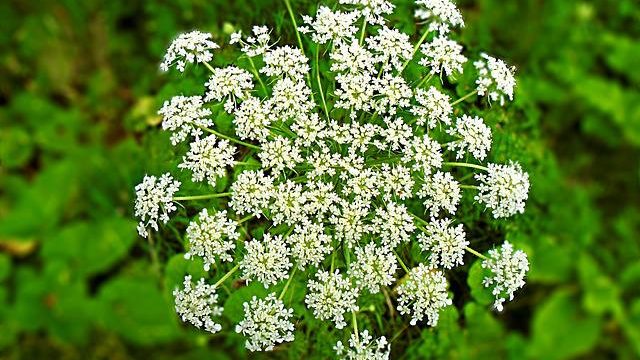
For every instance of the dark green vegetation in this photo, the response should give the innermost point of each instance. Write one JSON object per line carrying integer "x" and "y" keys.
{"x": 79, "y": 92}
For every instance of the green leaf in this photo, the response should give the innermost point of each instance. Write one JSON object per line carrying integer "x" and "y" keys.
{"x": 233, "y": 308}
{"x": 479, "y": 292}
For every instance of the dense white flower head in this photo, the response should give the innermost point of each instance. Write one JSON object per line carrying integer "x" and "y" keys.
{"x": 348, "y": 221}
{"x": 266, "y": 260}
{"x": 291, "y": 98}
{"x": 433, "y": 107}
{"x": 352, "y": 58}
{"x": 441, "y": 14}
{"x": 251, "y": 192}
{"x": 252, "y": 119}
{"x": 441, "y": 192}
{"x": 391, "y": 47}
{"x": 266, "y": 323}
{"x": 228, "y": 84}
{"x": 285, "y": 61}
{"x": 495, "y": 78}
{"x": 393, "y": 93}
{"x": 504, "y": 189}
{"x": 443, "y": 56}
{"x": 192, "y": 47}
{"x": 330, "y": 25}
{"x": 280, "y": 154}
{"x": 508, "y": 270}
{"x": 375, "y": 267}
{"x": 309, "y": 243}
{"x": 198, "y": 304}
{"x": 363, "y": 348}
{"x": 331, "y": 296}
{"x": 212, "y": 236}
{"x": 473, "y": 137}
{"x": 444, "y": 242}
{"x": 288, "y": 204}
{"x": 396, "y": 182}
{"x": 424, "y": 153}
{"x": 154, "y": 201}
{"x": 393, "y": 224}
{"x": 256, "y": 44}
{"x": 372, "y": 10}
{"x": 354, "y": 92}
{"x": 208, "y": 158}
{"x": 183, "y": 116}
{"x": 423, "y": 294}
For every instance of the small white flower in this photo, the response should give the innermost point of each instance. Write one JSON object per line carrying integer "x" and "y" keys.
{"x": 192, "y": 47}
{"x": 154, "y": 201}
{"x": 252, "y": 119}
{"x": 372, "y": 10}
{"x": 423, "y": 294}
{"x": 288, "y": 204}
{"x": 504, "y": 189}
{"x": 445, "y": 244}
{"x": 208, "y": 158}
{"x": 495, "y": 78}
{"x": 354, "y": 92}
{"x": 374, "y": 268}
{"x": 508, "y": 270}
{"x": 365, "y": 185}
{"x": 285, "y": 61}
{"x": 433, "y": 107}
{"x": 363, "y": 348}
{"x": 309, "y": 128}
{"x": 441, "y": 14}
{"x": 280, "y": 154}
{"x": 198, "y": 304}
{"x": 424, "y": 153}
{"x": 291, "y": 98}
{"x": 348, "y": 221}
{"x": 392, "y": 48}
{"x": 309, "y": 243}
{"x": 251, "y": 192}
{"x": 255, "y": 45}
{"x": 393, "y": 224}
{"x": 229, "y": 83}
{"x": 330, "y": 26}
{"x": 212, "y": 236}
{"x": 320, "y": 197}
{"x": 443, "y": 56}
{"x": 331, "y": 296}
{"x": 474, "y": 137}
{"x": 396, "y": 181}
{"x": 183, "y": 116}
{"x": 351, "y": 58}
{"x": 266, "y": 261}
{"x": 397, "y": 134}
{"x": 266, "y": 323}
{"x": 393, "y": 93}
{"x": 441, "y": 191}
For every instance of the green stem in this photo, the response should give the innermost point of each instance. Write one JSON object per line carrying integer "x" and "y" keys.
{"x": 286, "y": 286}
{"x": 404, "y": 267}
{"x": 240, "y": 142}
{"x": 256, "y": 73}
{"x": 415, "y": 50}
{"x": 246, "y": 163}
{"x": 421, "y": 220}
{"x": 464, "y": 98}
{"x": 424, "y": 80}
{"x": 324, "y": 102}
{"x": 476, "y": 253}
{"x": 244, "y": 219}
{"x": 295, "y": 24}
{"x": 463, "y": 186}
{"x": 209, "y": 67}
{"x": 355, "y": 325}
{"x": 201, "y": 197}
{"x": 473, "y": 166}
{"x": 226, "y": 276}
{"x": 362, "y": 31}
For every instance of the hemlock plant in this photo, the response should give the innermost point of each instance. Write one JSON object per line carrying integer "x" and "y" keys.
{"x": 357, "y": 162}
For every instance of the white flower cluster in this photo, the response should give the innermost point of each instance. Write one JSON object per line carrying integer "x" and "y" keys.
{"x": 338, "y": 168}
{"x": 198, "y": 304}
{"x": 266, "y": 323}
{"x": 508, "y": 269}
{"x": 363, "y": 348}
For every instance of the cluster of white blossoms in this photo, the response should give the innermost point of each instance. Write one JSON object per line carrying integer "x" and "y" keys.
{"x": 337, "y": 171}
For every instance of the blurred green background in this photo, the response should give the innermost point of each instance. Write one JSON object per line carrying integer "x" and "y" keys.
{"x": 79, "y": 92}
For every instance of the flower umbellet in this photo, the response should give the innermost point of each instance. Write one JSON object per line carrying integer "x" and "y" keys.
{"x": 334, "y": 164}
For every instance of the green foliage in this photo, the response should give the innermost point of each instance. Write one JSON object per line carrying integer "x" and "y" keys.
{"x": 78, "y": 122}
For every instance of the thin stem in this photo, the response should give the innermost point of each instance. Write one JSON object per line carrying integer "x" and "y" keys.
{"x": 476, "y": 253}
{"x": 421, "y": 220}
{"x": 424, "y": 80}
{"x": 460, "y": 164}
{"x": 244, "y": 219}
{"x": 240, "y": 142}
{"x": 201, "y": 197}
{"x": 324, "y": 103}
{"x": 209, "y": 67}
{"x": 246, "y": 163}
{"x": 226, "y": 276}
{"x": 404, "y": 267}
{"x": 154, "y": 255}
{"x": 257, "y": 75}
{"x": 355, "y": 325}
{"x": 464, "y": 98}
{"x": 464, "y": 186}
{"x": 286, "y": 286}
{"x": 415, "y": 50}
{"x": 362, "y": 31}
{"x": 295, "y": 24}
